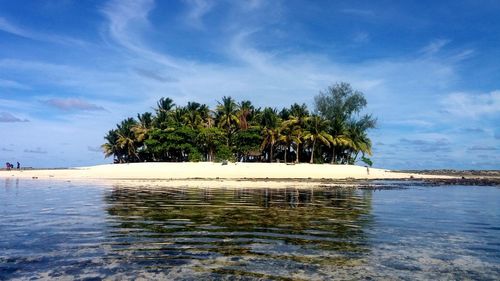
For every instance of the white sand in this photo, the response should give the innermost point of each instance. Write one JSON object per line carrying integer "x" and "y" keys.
{"x": 215, "y": 174}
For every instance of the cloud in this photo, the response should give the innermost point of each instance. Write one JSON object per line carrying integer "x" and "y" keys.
{"x": 128, "y": 16}
{"x": 94, "y": 148}
{"x": 13, "y": 85}
{"x": 358, "y": 12}
{"x": 6, "y": 149}
{"x": 253, "y": 4}
{"x": 197, "y": 9}
{"x": 7, "y": 117}
{"x": 413, "y": 142}
{"x": 37, "y": 150}
{"x": 361, "y": 37}
{"x": 482, "y": 148}
{"x": 473, "y": 130}
{"x": 438, "y": 141}
{"x": 472, "y": 105}
{"x": 72, "y": 104}
{"x": 412, "y": 122}
{"x": 492, "y": 164}
{"x": 463, "y": 55}
{"x": 434, "y": 47}
{"x": 441, "y": 144}
{"x": 497, "y": 135}
{"x": 244, "y": 59}
{"x": 155, "y": 75}
{"x": 11, "y": 28}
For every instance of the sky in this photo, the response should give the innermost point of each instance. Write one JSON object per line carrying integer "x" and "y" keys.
{"x": 430, "y": 70}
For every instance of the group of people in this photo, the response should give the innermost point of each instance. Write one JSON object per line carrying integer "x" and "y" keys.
{"x": 9, "y": 165}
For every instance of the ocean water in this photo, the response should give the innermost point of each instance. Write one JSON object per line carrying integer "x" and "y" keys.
{"x": 89, "y": 231}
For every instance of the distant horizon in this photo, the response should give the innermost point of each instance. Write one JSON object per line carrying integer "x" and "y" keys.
{"x": 71, "y": 70}
{"x": 357, "y": 164}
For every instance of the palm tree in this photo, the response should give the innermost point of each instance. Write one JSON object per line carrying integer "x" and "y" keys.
{"x": 299, "y": 111}
{"x": 141, "y": 132}
{"x": 144, "y": 125}
{"x": 164, "y": 105}
{"x": 126, "y": 138}
{"x": 297, "y": 121}
{"x": 270, "y": 130}
{"x": 289, "y": 134}
{"x": 177, "y": 116}
{"x": 111, "y": 146}
{"x": 192, "y": 117}
{"x": 317, "y": 131}
{"x": 206, "y": 116}
{"x": 339, "y": 141}
{"x": 359, "y": 140}
{"x": 244, "y": 113}
{"x": 227, "y": 116}
{"x": 340, "y": 105}
{"x": 163, "y": 109}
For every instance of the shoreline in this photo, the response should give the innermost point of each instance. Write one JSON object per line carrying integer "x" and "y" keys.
{"x": 217, "y": 174}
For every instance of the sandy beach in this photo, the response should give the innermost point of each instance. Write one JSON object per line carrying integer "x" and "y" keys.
{"x": 215, "y": 174}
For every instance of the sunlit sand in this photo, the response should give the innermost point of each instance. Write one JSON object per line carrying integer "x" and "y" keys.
{"x": 216, "y": 174}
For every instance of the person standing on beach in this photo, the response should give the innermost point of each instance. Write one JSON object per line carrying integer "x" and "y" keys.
{"x": 18, "y": 165}
{"x": 8, "y": 166}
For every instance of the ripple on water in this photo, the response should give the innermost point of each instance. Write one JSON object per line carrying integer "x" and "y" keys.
{"x": 85, "y": 231}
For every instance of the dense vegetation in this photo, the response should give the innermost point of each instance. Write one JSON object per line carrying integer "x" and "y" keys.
{"x": 237, "y": 131}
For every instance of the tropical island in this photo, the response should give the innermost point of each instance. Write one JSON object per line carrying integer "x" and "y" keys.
{"x": 239, "y": 142}
{"x": 334, "y": 132}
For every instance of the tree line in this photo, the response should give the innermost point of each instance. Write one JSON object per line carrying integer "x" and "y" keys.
{"x": 334, "y": 132}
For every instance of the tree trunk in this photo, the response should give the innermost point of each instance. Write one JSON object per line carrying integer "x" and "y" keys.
{"x": 333, "y": 155}
{"x": 356, "y": 156}
{"x": 286, "y": 151}
{"x": 312, "y": 152}
{"x": 210, "y": 154}
{"x": 271, "y": 153}
{"x": 298, "y": 150}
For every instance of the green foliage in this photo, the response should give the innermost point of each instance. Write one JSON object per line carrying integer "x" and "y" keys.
{"x": 367, "y": 161}
{"x": 239, "y": 131}
{"x": 224, "y": 153}
{"x": 341, "y": 105}
{"x": 195, "y": 156}
{"x": 209, "y": 139}
{"x": 247, "y": 141}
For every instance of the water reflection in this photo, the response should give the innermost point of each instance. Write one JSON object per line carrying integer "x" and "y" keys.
{"x": 241, "y": 231}
{"x": 66, "y": 230}
{"x": 11, "y": 183}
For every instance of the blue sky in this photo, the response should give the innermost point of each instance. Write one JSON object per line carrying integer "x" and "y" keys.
{"x": 70, "y": 70}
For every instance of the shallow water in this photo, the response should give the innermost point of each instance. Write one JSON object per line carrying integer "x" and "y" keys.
{"x": 66, "y": 230}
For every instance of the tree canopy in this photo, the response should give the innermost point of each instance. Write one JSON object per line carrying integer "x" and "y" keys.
{"x": 334, "y": 132}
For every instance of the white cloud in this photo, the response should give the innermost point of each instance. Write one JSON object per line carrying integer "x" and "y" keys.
{"x": 197, "y": 10}
{"x": 4, "y": 83}
{"x": 126, "y": 17}
{"x": 413, "y": 123}
{"x": 136, "y": 74}
{"x": 472, "y": 105}
{"x": 361, "y": 37}
{"x": 11, "y": 28}
{"x": 72, "y": 104}
{"x": 434, "y": 46}
{"x": 37, "y": 150}
{"x": 358, "y": 12}
{"x": 6, "y": 117}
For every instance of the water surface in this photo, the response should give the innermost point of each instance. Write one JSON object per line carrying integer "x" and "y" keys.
{"x": 61, "y": 230}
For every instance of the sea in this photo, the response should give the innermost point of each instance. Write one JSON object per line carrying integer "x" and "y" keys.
{"x": 376, "y": 230}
